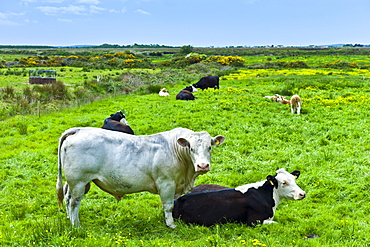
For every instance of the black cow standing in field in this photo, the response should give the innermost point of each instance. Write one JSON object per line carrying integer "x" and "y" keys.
{"x": 208, "y": 82}
{"x": 117, "y": 122}
{"x": 186, "y": 93}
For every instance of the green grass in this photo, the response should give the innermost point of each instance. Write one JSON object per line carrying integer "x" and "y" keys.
{"x": 328, "y": 143}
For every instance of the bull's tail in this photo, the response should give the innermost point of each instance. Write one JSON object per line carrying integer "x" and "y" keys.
{"x": 59, "y": 185}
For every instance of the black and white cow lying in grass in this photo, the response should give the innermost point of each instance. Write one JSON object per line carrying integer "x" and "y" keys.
{"x": 117, "y": 122}
{"x": 250, "y": 204}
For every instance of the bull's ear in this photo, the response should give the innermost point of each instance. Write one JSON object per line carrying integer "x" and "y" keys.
{"x": 183, "y": 142}
{"x": 296, "y": 174}
{"x": 272, "y": 180}
{"x": 218, "y": 140}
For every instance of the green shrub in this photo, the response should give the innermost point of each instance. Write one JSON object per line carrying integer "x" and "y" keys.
{"x": 339, "y": 64}
{"x": 8, "y": 92}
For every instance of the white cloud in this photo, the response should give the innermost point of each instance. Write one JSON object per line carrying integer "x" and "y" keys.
{"x": 89, "y": 1}
{"x": 71, "y": 9}
{"x": 140, "y": 11}
{"x": 53, "y": 1}
{"x": 26, "y": 2}
{"x": 30, "y": 21}
{"x": 64, "y": 20}
{"x": 8, "y": 23}
{"x": 6, "y": 18}
{"x": 5, "y": 15}
{"x": 96, "y": 10}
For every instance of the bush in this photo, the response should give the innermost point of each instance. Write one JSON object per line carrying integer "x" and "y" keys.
{"x": 339, "y": 64}
{"x": 186, "y": 49}
{"x": 8, "y": 92}
{"x": 53, "y": 91}
{"x": 154, "y": 88}
{"x": 227, "y": 60}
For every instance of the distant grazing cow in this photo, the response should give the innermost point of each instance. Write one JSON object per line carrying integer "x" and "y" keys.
{"x": 276, "y": 97}
{"x": 208, "y": 82}
{"x": 166, "y": 163}
{"x": 209, "y": 204}
{"x": 295, "y": 104}
{"x": 285, "y": 102}
{"x": 163, "y": 92}
{"x": 117, "y": 122}
{"x": 186, "y": 93}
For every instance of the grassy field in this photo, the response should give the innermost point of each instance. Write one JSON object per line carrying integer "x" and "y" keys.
{"x": 329, "y": 143}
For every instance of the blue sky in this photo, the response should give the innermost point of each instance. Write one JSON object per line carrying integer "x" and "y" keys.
{"x": 199, "y": 23}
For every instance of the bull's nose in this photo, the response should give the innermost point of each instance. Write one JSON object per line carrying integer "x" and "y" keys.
{"x": 203, "y": 167}
{"x": 302, "y": 195}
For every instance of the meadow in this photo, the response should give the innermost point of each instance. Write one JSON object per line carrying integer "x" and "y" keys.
{"x": 328, "y": 143}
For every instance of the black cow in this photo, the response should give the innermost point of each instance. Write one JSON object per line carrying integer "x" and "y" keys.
{"x": 287, "y": 188}
{"x": 186, "y": 93}
{"x": 207, "y": 187}
{"x": 117, "y": 122}
{"x": 208, "y": 82}
{"x": 227, "y": 205}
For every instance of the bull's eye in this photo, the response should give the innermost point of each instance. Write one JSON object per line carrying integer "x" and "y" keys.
{"x": 192, "y": 150}
{"x": 209, "y": 148}
{"x": 285, "y": 183}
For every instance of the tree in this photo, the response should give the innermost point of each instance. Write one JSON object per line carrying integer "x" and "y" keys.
{"x": 186, "y": 49}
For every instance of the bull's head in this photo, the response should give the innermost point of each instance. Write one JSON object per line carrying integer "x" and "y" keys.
{"x": 200, "y": 145}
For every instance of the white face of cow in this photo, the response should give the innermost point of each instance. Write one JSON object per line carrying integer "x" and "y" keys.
{"x": 200, "y": 149}
{"x": 124, "y": 121}
{"x": 287, "y": 187}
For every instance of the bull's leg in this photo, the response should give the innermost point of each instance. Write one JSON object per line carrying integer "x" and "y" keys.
{"x": 67, "y": 196}
{"x": 76, "y": 195}
{"x": 298, "y": 110}
{"x": 167, "y": 194}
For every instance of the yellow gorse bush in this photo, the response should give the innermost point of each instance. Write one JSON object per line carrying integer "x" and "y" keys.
{"x": 131, "y": 62}
{"x": 226, "y": 60}
{"x": 244, "y": 74}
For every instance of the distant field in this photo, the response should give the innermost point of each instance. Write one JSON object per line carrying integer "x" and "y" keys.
{"x": 329, "y": 143}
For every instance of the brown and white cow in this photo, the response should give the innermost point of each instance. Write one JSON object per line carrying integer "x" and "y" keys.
{"x": 189, "y": 208}
{"x": 163, "y": 92}
{"x": 165, "y": 163}
{"x": 295, "y": 104}
{"x": 277, "y": 98}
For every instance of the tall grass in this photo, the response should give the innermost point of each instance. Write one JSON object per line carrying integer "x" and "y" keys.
{"x": 328, "y": 143}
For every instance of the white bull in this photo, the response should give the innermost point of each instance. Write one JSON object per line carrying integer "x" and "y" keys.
{"x": 166, "y": 163}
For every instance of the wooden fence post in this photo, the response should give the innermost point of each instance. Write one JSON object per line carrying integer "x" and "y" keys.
{"x": 38, "y": 108}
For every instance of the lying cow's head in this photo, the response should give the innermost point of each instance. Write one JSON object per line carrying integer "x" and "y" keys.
{"x": 117, "y": 116}
{"x": 287, "y": 187}
{"x": 200, "y": 145}
{"x": 191, "y": 88}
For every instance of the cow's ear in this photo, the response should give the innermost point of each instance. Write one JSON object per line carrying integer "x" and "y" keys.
{"x": 272, "y": 180}
{"x": 183, "y": 142}
{"x": 218, "y": 140}
{"x": 296, "y": 174}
